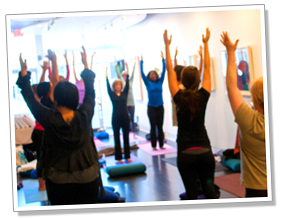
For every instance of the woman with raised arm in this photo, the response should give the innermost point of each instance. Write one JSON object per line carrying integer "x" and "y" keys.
{"x": 251, "y": 124}
{"x": 130, "y": 101}
{"x": 71, "y": 168}
{"x": 120, "y": 117}
{"x": 155, "y": 109}
{"x": 195, "y": 159}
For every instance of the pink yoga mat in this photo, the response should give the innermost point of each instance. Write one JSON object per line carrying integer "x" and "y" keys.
{"x": 147, "y": 148}
{"x": 98, "y": 143}
{"x": 131, "y": 138}
{"x": 110, "y": 161}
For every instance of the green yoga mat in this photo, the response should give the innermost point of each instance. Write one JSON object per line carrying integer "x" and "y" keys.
{"x": 125, "y": 169}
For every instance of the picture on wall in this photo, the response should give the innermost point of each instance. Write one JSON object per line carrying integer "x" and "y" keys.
{"x": 244, "y": 68}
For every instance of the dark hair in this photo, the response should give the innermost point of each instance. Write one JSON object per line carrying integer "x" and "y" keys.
{"x": 34, "y": 88}
{"x": 157, "y": 76}
{"x": 66, "y": 94}
{"x": 190, "y": 80}
{"x": 178, "y": 69}
{"x": 43, "y": 89}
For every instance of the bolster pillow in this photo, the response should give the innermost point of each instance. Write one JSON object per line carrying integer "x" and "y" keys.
{"x": 125, "y": 169}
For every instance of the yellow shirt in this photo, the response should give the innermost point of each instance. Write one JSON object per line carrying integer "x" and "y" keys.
{"x": 253, "y": 153}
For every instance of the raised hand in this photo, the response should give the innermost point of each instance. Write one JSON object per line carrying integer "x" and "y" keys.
{"x": 23, "y": 66}
{"x": 206, "y": 38}
{"x": 165, "y": 37}
{"x": 162, "y": 56}
{"x": 65, "y": 54}
{"x": 45, "y": 65}
{"x": 225, "y": 40}
{"x": 93, "y": 55}
{"x": 200, "y": 50}
{"x": 176, "y": 52}
{"x": 84, "y": 57}
{"x": 106, "y": 72}
{"x": 51, "y": 55}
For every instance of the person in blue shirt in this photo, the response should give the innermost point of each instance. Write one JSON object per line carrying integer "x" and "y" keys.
{"x": 155, "y": 109}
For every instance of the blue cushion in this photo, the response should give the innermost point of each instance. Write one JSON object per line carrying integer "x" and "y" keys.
{"x": 233, "y": 164}
{"x": 110, "y": 196}
{"x": 125, "y": 169}
{"x": 102, "y": 135}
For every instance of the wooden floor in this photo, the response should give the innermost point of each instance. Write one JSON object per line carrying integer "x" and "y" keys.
{"x": 161, "y": 182}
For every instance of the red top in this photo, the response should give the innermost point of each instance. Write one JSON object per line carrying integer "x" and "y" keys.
{"x": 38, "y": 126}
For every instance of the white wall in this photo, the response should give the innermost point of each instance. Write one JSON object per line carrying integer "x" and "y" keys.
{"x": 146, "y": 38}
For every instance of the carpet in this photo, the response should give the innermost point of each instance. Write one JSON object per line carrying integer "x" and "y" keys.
{"x": 173, "y": 161}
{"x": 31, "y": 191}
{"x": 231, "y": 183}
{"x": 147, "y": 148}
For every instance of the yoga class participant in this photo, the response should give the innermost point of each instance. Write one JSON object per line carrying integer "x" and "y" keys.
{"x": 130, "y": 101}
{"x": 155, "y": 109}
{"x": 71, "y": 168}
{"x": 251, "y": 124}
{"x": 120, "y": 117}
{"x": 178, "y": 69}
{"x": 195, "y": 159}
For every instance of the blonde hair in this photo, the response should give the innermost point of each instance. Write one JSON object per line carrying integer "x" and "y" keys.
{"x": 257, "y": 92}
{"x": 115, "y": 82}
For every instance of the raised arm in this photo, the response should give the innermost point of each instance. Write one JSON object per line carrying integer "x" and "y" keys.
{"x": 163, "y": 69}
{"x": 44, "y": 67}
{"x": 200, "y": 62}
{"x": 54, "y": 79}
{"x": 91, "y": 63}
{"x": 126, "y": 89}
{"x": 118, "y": 69}
{"x": 175, "y": 57}
{"x": 40, "y": 113}
{"x": 133, "y": 72}
{"x": 67, "y": 66}
{"x": 109, "y": 90}
{"x": 234, "y": 94}
{"x": 172, "y": 78}
{"x": 74, "y": 70}
{"x": 84, "y": 58}
{"x": 206, "y": 79}
{"x": 144, "y": 78}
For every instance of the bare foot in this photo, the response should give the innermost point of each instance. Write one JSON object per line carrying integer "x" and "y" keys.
{"x": 135, "y": 136}
{"x": 155, "y": 149}
{"x": 162, "y": 148}
{"x": 41, "y": 183}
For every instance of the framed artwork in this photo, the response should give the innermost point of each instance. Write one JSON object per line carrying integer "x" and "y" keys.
{"x": 244, "y": 68}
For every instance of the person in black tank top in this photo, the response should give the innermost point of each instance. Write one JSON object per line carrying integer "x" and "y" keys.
{"x": 195, "y": 159}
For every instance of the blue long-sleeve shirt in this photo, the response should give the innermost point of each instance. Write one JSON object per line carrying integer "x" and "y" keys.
{"x": 154, "y": 89}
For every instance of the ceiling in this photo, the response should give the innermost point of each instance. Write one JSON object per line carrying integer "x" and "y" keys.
{"x": 53, "y": 25}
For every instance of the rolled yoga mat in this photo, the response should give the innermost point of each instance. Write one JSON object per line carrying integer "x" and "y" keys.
{"x": 125, "y": 169}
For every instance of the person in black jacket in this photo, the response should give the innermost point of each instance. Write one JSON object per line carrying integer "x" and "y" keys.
{"x": 70, "y": 160}
{"x": 120, "y": 117}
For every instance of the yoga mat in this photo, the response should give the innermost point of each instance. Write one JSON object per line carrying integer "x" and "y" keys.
{"x": 98, "y": 143}
{"x": 32, "y": 194}
{"x": 110, "y": 161}
{"x": 147, "y": 148}
{"x": 231, "y": 183}
{"x": 138, "y": 139}
{"x": 173, "y": 161}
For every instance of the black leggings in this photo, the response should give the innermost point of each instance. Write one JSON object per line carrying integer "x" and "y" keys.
{"x": 72, "y": 193}
{"x": 36, "y": 137}
{"x": 116, "y": 125}
{"x": 255, "y": 193}
{"x": 193, "y": 167}
{"x": 131, "y": 112}
{"x": 156, "y": 117}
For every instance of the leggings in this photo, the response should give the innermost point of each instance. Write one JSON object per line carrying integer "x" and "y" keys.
{"x": 116, "y": 125}
{"x": 255, "y": 193}
{"x": 156, "y": 117}
{"x": 37, "y": 141}
{"x": 193, "y": 167}
{"x": 131, "y": 112}
{"x": 72, "y": 193}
